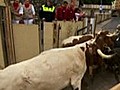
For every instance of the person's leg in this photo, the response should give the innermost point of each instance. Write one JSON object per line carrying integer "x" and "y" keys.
{"x": 30, "y": 21}
{"x": 16, "y": 21}
{"x": 25, "y": 21}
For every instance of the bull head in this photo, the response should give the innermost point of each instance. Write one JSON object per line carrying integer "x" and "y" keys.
{"x": 104, "y": 38}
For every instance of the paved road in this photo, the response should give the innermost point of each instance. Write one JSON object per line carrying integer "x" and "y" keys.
{"x": 112, "y": 24}
{"x": 103, "y": 81}
{"x": 109, "y": 25}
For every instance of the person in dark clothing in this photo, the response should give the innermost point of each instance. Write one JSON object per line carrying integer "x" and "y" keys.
{"x": 47, "y": 14}
{"x": 47, "y": 11}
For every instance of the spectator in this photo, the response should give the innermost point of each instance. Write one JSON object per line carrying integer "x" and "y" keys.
{"x": 47, "y": 11}
{"x": 71, "y": 12}
{"x": 29, "y": 12}
{"x": 17, "y": 11}
{"x": 79, "y": 14}
{"x": 59, "y": 13}
{"x": 65, "y": 12}
{"x": 100, "y": 8}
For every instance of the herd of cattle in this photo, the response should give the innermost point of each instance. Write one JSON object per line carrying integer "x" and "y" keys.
{"x": 59, "y": 68}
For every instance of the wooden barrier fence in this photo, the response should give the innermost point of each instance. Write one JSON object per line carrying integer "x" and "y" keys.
{"x": 66, "y": 30}
{"x": 2, "y": 63}
{"x": 27, "y": 39}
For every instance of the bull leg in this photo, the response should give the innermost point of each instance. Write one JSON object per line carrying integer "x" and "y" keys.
{"x": 115, "y": 68}
{"x": 90, "y": 70}
{"x": 79, "y": 87}
{"x": 85, "y": 82}
{"x": 91, "y": 76}
{"x": 116, "y": 74}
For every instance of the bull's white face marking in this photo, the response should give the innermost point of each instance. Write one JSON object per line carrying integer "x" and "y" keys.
{"x": 100, "y": 38}
{"x": 90, "y": 50}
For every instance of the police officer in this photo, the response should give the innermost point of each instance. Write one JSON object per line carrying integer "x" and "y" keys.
{"x": 47, "y": 11}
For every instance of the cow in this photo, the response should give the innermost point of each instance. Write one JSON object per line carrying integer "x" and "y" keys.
{"x": 51, "y": 70}
{"x": 101, "y": 40}
{"x": 73, "y": 40}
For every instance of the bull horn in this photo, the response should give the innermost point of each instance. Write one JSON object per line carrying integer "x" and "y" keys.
{"x": 104, "y": 56}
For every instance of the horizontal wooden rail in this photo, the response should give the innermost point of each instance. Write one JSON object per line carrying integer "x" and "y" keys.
{"x": 84, "y": 29}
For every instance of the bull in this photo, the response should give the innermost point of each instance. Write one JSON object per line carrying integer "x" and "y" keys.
{"x": 73, "y": 40}
{"x": 102, "y": 39}
{"x": 113, "y": 63}
{"x": 51, "y": 70}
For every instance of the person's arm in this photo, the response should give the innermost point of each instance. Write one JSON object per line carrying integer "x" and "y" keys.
{"x": 33, "y": 10}
{"x": 41, "y": 13}
{"x": 56, "y": 13}
{"x": 53, "y": 18}
{"x": 21, "y": 10}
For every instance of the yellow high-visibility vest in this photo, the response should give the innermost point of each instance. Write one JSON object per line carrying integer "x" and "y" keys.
{"x": 48, "y": 9}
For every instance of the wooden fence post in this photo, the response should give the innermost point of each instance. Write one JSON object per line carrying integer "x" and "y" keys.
{"x": 9, "y": 36}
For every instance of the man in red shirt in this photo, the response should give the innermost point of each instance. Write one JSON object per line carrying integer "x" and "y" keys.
{"x": 70, "y": 13}
{"x": 64, "y": 12}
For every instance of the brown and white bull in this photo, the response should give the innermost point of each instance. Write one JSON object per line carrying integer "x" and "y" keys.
{"x": 95, "y": 47}
{"x": 73, "y": 40}
{"x": 51, "y": 70}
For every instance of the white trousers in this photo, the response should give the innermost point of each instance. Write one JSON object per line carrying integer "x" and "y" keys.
{"x": 30, "y": 21}
{"x": 16, "y": 21}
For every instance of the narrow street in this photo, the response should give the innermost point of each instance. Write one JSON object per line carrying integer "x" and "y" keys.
{"x": 109, "y": 25}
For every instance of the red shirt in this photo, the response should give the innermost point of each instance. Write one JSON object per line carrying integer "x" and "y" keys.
{"x": 70, "y": 14}
{"x": 59, "y": 14}
{"x": 64, "y": 13}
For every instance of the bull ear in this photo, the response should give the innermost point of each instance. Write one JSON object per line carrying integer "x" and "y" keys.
{"x": 83, "y": 48}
